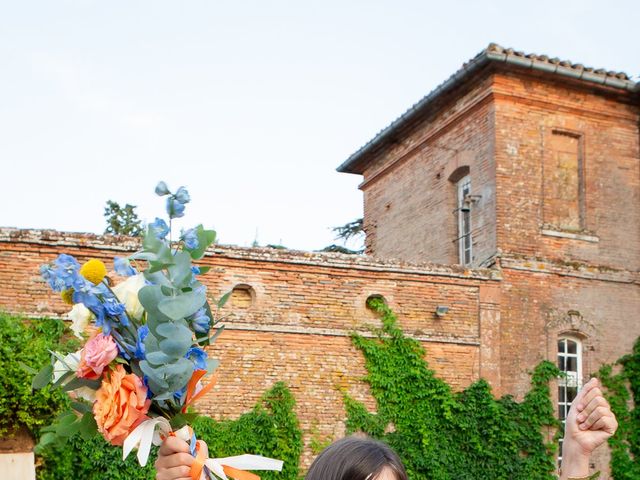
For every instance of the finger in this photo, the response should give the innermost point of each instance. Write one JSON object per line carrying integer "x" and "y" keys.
{"x": 176, "y": 473}
{"x": 202, "y": 445}
{"x": 173, "y": 445}
{"x": 598, "y": 401}
{"x": 587, "y": 393}
{"x": 598, "y": 413}
{"x": 174, "y": 460}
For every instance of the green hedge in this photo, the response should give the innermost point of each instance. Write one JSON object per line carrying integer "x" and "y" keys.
{"x": 26, "y": 342}
{"x": 442, "y": 435}
{"x": 270, "y": 429}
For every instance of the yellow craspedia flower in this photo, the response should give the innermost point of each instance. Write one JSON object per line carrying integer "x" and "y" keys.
{"x": 94, "y": 271}
{"x": 67, "y": 296}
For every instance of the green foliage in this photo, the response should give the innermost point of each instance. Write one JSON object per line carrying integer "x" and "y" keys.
{"x": 270, "y": 428}
{"x": 348, "y": 232}
{"x": 122, "y": 220}
{"x": 443, "y": 435}
{"x": 623, "y": 393}
{"x": 169, "y": 302}
{"x": 24, "y": 346}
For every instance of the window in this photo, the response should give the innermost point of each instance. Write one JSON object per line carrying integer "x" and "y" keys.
{"x": 242, "y": 296}
{"x": 464, "y": 220}
{"x": 563, "y": 182}
{"x": 570, "y": 363}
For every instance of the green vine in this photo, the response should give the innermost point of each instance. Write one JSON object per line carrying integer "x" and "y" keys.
{"x": 444, "y": 435}
{"x": 623, "y": 393}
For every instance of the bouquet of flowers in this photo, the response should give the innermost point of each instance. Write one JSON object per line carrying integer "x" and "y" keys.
{"x": 145, "y": 363}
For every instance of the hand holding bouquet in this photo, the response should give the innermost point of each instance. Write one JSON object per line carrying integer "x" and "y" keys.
{"x": 135, "y": 377}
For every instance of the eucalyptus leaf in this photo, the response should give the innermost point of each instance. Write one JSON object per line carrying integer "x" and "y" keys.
{"x": 212, "y": 364}
{"x": 223, "y": 300}
{"x": 88, "y": 427}
{"x": 180, "y": 272}
{"x": 203, "y": 270}
{"x": 158, "y": 358}
{"x": 65, "y": 377}
{"x": 155, "y": 375}
{"x": 43, "y": 377}
{"x": 183, "y": 305}
{"x": 174, "y": 347}
{"x": 68, "y": 428}
{"x": 205, "y": 239}
{"x": 27, "y": 368}
{"x": 81, "y": 382}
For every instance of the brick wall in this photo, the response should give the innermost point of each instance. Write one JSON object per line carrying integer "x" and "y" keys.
{"x": 529, "y": 113}
{"x": 410, "y": 192}
{"x": 557, "y": 165}
{"x": 296, "y": 321}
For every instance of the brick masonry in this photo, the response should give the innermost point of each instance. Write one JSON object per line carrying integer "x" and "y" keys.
{"x": 556, "y": 164}
{"x": 291, "y": 318}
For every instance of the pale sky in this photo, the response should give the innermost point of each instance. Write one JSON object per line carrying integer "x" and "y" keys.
{"x": 249, "y": 104}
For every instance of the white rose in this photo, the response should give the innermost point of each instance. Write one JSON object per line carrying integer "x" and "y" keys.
{"x": 70, "y": 364}
{"x": 80, "y": 317}
{"x": 127, "y": 293}
{"x": 85, "y": 393}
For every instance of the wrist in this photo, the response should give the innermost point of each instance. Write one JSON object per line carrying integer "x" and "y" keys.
{"x": 575, "y": 461}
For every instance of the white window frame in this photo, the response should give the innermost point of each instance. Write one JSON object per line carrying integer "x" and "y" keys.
{"x": 573, "y": 379}
{"x": 465, "y": 251}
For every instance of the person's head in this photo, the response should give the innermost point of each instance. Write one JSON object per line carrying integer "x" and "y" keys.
{"x": 356, "y": 458}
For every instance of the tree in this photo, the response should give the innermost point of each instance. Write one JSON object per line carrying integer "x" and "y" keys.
{"x": 122, "y": 220}
{"x": 348, "y": 231}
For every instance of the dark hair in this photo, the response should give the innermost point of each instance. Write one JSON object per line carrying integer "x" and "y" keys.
{"x": 355, "y": 458}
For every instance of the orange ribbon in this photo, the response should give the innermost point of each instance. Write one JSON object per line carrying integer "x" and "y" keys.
{"x": 198, "y": 465}
{"x": 239, "y": 474}
{"x": 192, "y": 397}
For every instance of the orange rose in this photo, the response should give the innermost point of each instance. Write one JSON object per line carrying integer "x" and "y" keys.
{"x": 121, "y": 405}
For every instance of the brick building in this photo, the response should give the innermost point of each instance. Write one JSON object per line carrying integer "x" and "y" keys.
{"x": 508, "y": 195}
{"x": 529, "y": 165}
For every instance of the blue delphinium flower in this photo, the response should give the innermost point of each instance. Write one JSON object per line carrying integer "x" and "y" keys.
{"x": 160, "y": 228}
{"x": 195, "y": 269}
{"x": 123, "y": 267}
{"x": 190, "y": 238}
{"x": 113, "y": 307}
{"x": 63, "y": 274}
{"x": 201, "y": 321}
{"x": 178, "y": 394}
{"x": 50, "y": 276}
{"x": 162, "y": 189}
{"x": 198, "y": 357}
{"x": 182, "y": 196}
{"x": 139, "y": 353}
{"x": 175, "y": 209}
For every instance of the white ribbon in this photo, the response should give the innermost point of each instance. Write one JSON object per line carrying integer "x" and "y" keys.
{"x": 155, "y": 430}
{"x": 143, "y": 436}
{"x": 242, "y": 462}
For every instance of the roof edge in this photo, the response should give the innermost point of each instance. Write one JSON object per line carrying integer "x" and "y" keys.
{"x": 497, "y": 54}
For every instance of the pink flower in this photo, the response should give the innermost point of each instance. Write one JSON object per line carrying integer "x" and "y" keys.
{"x": 99, "y": 352}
